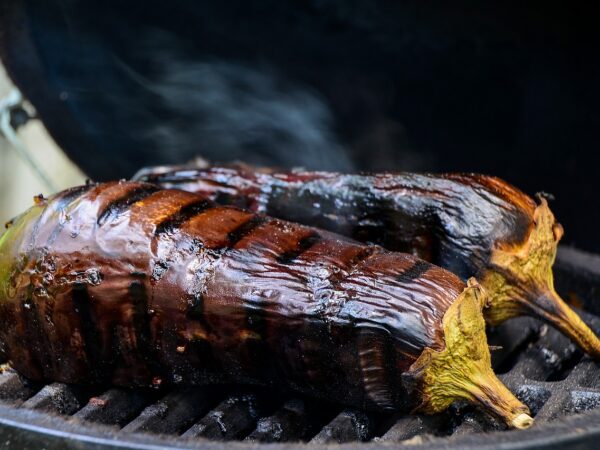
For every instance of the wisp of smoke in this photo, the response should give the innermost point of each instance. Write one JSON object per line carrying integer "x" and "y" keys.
{"x": 225, "y": 111}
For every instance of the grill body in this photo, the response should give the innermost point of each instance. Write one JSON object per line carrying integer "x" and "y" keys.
{"x": 558, "y": 383}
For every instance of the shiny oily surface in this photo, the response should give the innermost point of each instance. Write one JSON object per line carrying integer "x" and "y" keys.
{"x": 473, "y": 225}
{"x": 127, "y": 284}
{"x": 453, "y": 220}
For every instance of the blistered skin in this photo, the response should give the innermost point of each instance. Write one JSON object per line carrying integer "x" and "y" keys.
{"x": 127, "y": 284}
{"x": 452, "y": 220}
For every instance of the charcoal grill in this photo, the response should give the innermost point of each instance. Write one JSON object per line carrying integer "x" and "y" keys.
{"x": 550, "y": 375}
{"x": 559, "y": 384}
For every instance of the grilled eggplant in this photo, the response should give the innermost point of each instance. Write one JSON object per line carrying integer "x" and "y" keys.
{"x": 127, "y": 284}
{"x": 472, "y": 225}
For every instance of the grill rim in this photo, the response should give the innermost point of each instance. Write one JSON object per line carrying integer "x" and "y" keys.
{"x": 26, "y": 428}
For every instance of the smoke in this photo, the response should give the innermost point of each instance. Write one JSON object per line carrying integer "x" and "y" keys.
{"x": 225, "y": 111}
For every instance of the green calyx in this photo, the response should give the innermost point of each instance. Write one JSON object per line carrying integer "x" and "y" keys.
{"x": 462, "y": 370}
{"x": 520, "y": 281}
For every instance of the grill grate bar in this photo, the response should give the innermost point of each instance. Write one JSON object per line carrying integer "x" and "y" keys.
{"x": 14, "y": 388}
{"x": 349, "y": 425}
{"x": 175, "y": 412}
{"x": 509, "y": 340}
{"x": 407, "y": 427}
{"x": 234, "y": 418}
{"x": 585, "y": 374}
{"x": 115, "y": 406}
{"x": 297, "y": 420}
{"x": 58, "y": 398}
{"x": 475, "y": 423}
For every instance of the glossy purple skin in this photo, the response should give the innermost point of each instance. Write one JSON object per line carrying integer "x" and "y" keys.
{"x": 126, "y": 284}
{"x": 451, "y": 220}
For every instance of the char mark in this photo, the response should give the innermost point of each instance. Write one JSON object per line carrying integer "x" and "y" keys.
{"x": 245, "y": 229}
{"x": 73, "y": 194}
{"x": 122, "y": 204}
{"x": 173, "y": 222}
{"x": 141, "y": 325}
{"x": 304, "y": 244}
{"x": 225, "y": 198}
{"x": 92, "y": 342}
{"x": 413, "y": 272}
{"x": 337, "y": 278}
{"x": 176, "y": 176}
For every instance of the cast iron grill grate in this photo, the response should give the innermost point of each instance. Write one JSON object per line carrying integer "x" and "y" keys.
{"x": 537, "y": 363}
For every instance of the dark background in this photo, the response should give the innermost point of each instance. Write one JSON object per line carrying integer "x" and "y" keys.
{"x": 504, "y": 88}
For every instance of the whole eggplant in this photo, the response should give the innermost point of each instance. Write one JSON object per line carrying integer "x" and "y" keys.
{"x": 127, "y": 284}
{"x": 473, "y": 225}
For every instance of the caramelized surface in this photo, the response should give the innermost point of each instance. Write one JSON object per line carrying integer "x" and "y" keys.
{"x": 127, "y": 284}
{"x": 452, "y": 220}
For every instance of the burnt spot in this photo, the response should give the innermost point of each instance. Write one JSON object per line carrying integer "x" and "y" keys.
{"x": 160, "y": 268}
{"x": 225, "y": 198}
{"x": 304, "y": 244}
{"x": 186, "y": 213}
{"x": 92, "y": 341}
{"x": 119, "y": 206}
{"x": 137, "y": 274}
{"x": 417, "y": 270}
{"x": 72, "y": 194}
{"x": 245, "y": 229}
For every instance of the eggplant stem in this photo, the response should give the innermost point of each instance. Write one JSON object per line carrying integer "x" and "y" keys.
{"x": 520, "y": 281}
{"x": 463, "y": 370}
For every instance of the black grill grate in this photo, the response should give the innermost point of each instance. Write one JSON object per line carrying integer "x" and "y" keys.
{"x": 536, "y": 362}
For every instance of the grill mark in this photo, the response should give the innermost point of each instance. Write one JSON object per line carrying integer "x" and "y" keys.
{"x": 122, "y": 204}
{"x": 141, "y": 325}
{"x": 336, "y": 279}
{"x": 92, "y": 342}
{"x": 73, "y": 194}
{"x": 358, "y": 260}
{"x": 185, "y": 214}
{"x": 303, "y": 245}
{"x": 245, "y": 229}
{"x": 417, "y": 270}
{"x": 225, "y": 198}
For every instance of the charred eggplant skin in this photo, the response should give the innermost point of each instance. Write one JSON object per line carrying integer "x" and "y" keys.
{"x": 127, "y": 284}
{"x": 470, "y": 224}
{"x": 452, "y": 220}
